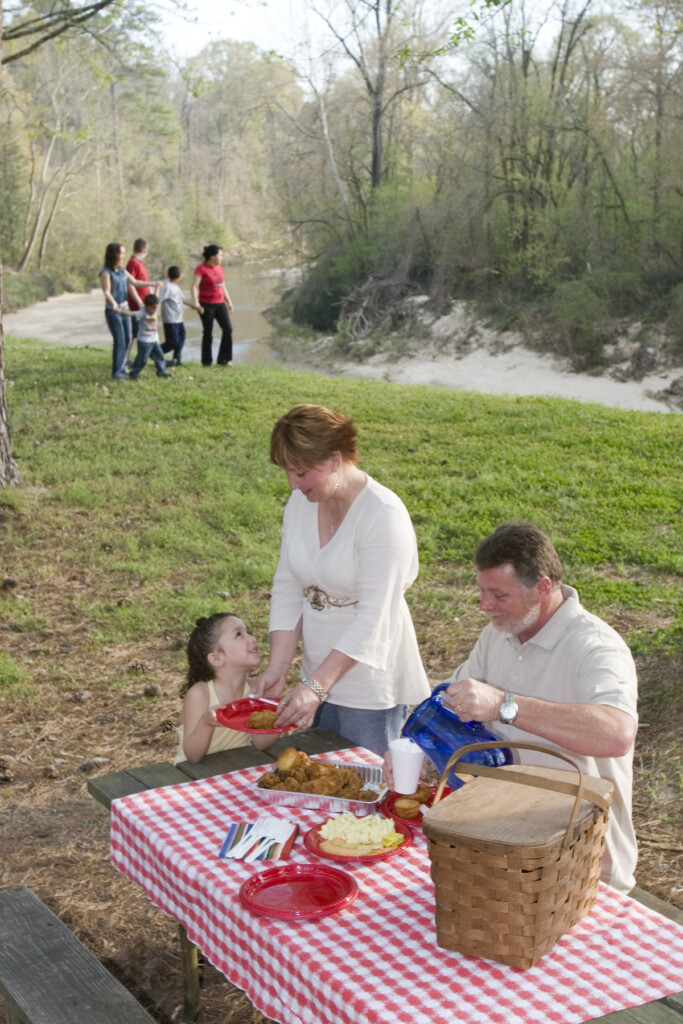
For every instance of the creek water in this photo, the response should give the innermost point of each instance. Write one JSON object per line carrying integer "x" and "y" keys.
{"x": 78, "y": 319}
{"x": 252, "y": 291}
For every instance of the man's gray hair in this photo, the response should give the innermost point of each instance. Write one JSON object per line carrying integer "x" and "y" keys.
{"x": 523, "y": 546}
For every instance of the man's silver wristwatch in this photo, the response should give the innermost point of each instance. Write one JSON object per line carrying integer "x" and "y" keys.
{"x": 316, "y": 687}
{"x": 508, "y": 709}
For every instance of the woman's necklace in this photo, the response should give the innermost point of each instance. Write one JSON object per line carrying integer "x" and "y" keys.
{"x": 334, "y": 524}
{"x": 343, "y": 502}
{"x": 333, "y": 521}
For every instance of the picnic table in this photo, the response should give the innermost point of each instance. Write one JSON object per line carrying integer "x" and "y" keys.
{"x": 622, "y": 964}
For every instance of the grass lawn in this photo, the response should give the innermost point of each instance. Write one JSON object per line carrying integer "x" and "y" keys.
{"x": 162, "y": 491}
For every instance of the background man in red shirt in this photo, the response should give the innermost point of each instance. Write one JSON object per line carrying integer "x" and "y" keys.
{"x": 137, "y": 269}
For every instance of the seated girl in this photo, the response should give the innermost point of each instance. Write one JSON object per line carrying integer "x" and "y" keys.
{"x": 220, "y": 654}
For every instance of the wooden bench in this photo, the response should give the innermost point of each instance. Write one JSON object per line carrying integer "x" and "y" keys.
{"x": 151, "y": 776}
{"x": 47, "y": 976}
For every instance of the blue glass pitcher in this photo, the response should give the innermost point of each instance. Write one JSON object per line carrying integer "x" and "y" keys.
{"x": 440, "y": 732}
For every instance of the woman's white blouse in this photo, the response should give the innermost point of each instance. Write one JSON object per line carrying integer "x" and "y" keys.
{"x": 350, "y": 594}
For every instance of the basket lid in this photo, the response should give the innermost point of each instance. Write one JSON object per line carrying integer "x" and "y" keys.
{"x": 499, "y": 811}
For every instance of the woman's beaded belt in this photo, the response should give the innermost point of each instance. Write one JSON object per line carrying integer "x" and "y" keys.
{"x": 319, "y": 600}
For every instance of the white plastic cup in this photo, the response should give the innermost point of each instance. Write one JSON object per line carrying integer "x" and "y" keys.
{"x": 406, "y": 761}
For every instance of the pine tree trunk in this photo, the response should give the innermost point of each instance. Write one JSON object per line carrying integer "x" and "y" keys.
{"x": 9, "y": 471}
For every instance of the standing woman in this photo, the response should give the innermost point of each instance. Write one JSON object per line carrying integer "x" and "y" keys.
{"x": 347, "y": 556}
{"x": 211, "y": 298}
{"x": 115, "y": 279}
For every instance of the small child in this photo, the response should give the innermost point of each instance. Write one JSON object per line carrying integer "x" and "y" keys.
{"x": 172, "y": 302}
{"x": 148, "y": 338}
{"x": 220, "y": 653}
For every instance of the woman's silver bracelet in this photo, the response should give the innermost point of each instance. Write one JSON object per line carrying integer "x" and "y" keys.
{"x": 316, "y": 687}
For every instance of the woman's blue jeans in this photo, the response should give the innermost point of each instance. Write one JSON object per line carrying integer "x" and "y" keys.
{"x": 120, "y": 331}
{"x": 372, "y": 729}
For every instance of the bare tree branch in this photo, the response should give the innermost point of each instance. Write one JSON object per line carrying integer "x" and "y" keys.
{"x": 49, "y": 26}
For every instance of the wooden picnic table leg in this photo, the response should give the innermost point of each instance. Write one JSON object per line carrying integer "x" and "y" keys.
{"x": 189, "y": 957}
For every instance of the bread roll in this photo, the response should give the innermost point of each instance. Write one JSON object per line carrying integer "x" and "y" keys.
{"x": 405, "y": 807}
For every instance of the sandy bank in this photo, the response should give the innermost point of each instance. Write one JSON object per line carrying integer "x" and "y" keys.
{"x": 519, "y": 371}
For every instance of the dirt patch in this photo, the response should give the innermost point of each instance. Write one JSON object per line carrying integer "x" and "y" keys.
{"x": 85, "y": 721}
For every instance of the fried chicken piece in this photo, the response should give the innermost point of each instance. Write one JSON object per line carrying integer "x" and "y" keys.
{"x": 311, "y": 786}
{"x": 347, "y": 793}
{"x": 286, "y": 781}
{"x": 351, "y": 780}
{"x": 291, "y": 784}
{"x": 270, "y": 780}
{"x": 319, "y": 768}
{"x": 334, "y": 778}
{"x": 296, "y": 774}
{"x": 331, "y": 784}
{"x": 261, "y": 720}
{"x": 293, "y": 758}
{"x": 324, "y": 786}
{"x": 368, "y": 795}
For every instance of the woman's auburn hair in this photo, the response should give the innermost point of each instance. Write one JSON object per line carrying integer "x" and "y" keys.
{"x": 309, "y": 434}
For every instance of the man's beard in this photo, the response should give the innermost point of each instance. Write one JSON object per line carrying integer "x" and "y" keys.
{"x": 517, "y": 626}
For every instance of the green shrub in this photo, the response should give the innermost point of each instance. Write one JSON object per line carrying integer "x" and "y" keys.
{"x": 319, "y": 297}
{"x": 577, "y": 314}
{"x": 20, "y": 290}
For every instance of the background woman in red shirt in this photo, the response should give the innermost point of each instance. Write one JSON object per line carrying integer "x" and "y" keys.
{"x": 211, "y": 298}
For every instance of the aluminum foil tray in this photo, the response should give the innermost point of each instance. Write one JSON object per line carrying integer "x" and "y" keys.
{"x": 370, "y": 773}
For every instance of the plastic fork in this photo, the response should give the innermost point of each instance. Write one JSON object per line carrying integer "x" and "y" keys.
{"x": 279, "y": 831}
{"x": 256, "y": 831}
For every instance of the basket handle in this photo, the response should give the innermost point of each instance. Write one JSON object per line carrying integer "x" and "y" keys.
{"x": 576, "y": 789}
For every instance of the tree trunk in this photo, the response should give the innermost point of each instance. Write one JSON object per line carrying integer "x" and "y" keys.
{"x": 117, "y": 149}
{"x": 50, "y": 220}
{"x": 377, "y": 112}
{"x": 9, "y": 471}
{"x": 332, "y": 163}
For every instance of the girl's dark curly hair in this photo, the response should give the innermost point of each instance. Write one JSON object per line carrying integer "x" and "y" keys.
{"x": 202, "y": 642}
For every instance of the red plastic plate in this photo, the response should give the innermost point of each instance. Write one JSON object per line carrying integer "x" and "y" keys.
{"x": 312, "y": 842}
{"x": 298, "y": 891}
{"x": 387, "y": 807}
{"x": 236, "y": 715}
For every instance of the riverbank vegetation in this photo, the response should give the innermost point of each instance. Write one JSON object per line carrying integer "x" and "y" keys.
{"x": 532, "y": 170}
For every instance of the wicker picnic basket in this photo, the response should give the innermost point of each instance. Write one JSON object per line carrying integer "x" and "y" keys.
{"x": 515, "y": 856}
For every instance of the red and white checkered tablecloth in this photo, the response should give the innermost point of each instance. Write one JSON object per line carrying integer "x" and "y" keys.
{"x": 376, "y": 962}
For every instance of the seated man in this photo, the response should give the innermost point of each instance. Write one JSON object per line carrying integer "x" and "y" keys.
{"x": 545, "y": 670}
